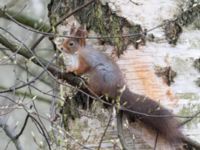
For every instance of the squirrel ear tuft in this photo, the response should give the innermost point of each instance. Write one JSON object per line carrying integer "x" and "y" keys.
{"x": 81, "y": 32}
{"x": 73, "y": 29}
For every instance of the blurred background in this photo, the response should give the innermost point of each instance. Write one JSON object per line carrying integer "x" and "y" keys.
{"x": 16, "y": 70}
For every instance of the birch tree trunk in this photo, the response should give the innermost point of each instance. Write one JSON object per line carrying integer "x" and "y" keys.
{"x": 162, "y": 63}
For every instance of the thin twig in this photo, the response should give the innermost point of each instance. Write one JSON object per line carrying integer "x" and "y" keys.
{"x": 49, "y": 34}
{"x": 190, "y": 119}
{"x": 61, "y": 20}
{"x": 156, "y": 140}
{"x": 10, "y": 133}
{"x": 120, "y": 129}
{"x": 136, "y": 3}
{"x": 104, "y": 133}
{"x": 29, "y": 82}
{"x": 40, "y": 121}
{"x": 23, "y": 127}
{"x": 73, "y": 138}
{"x": 41, "y": 128}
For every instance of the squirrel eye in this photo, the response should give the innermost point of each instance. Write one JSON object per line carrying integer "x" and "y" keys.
{"x": 71, "y": 43}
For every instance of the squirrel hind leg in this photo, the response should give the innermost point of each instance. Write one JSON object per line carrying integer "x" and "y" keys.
{"x": 100, "y": 86}
{"x": 83, "y": 100}
{"x": 94, "y": 86}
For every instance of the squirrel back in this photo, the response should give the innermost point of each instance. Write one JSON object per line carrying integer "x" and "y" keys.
{"x": 106, "y": 78}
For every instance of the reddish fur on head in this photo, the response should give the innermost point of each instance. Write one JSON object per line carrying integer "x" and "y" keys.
{"x": 81, "y": 33}
{"x": 72, "y": 48}
{"x": 77, "y": 40}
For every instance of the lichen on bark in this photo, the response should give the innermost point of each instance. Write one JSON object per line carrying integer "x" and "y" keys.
{"x": 189, "y": 16}
{"x": 173, "y": 27}
{"x": 103, "y": 21}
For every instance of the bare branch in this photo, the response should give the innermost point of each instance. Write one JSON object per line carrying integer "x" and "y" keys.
{"x": 61, "y": 20}
{"x": 120, "y": 130}
{"x": 10, "y": 132}
{"x": 23, "y": 19}
{"x": 69, "y": 77}
{"x": 23, "y": 127}
{"x": 104, "y": 133}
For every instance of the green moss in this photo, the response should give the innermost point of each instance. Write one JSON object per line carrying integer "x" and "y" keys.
{"x": 102, "y": 20}
{"x": 189, "y": 16}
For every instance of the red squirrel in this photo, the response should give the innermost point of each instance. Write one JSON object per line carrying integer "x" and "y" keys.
{"x": 106, "y": 78}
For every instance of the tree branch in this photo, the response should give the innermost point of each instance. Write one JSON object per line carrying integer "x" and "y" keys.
{"x": 104, "y": 133}
{"x": 10, "y": 132}
{"x": 61, "y": 20}
{"x": 32, "y": 73}
{"x": 26, "y": 20}
{"x": 68, "y": 77}
{"x": 120, "y": 129}
{"x": 191, "y": 142}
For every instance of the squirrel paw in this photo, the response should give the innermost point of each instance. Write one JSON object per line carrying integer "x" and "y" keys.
{"x": 70, "y": 69}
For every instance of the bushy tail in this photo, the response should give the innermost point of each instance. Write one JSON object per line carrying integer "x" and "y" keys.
{"x": 165, "y": 126}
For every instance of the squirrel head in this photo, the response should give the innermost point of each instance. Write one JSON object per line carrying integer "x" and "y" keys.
{"x": 75, "y": 42}
{"x": 70, "y": 45}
